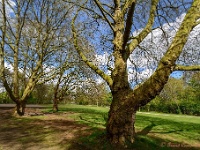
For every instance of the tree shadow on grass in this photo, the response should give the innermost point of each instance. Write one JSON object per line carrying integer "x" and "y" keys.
{"x": 98, "y": 141}
{"x": 147, "y": 138}
{"x": 147, "y": 129}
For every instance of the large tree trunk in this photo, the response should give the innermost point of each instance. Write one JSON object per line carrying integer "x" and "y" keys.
{"x": 120, "y": 125}
{"x": 20, "y": 108}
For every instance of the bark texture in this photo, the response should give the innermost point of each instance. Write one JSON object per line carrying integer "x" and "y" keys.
{"x": 20, "y": 108}
{"x": 120, "y": 126}
{"x": 55, "y": 105}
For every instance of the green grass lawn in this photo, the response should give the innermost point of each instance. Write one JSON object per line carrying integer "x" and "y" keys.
{"x": 154, "y": 130}
{"x": 77, "y": 127}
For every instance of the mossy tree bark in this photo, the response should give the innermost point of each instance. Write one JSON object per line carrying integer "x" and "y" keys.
{"x": 121, "y": 119}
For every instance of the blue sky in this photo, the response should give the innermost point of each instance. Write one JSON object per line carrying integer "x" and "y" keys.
{"x": 177, "y": 74}
{"x": 102, "y": 29}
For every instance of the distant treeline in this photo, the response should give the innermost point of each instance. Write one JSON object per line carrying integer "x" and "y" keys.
{"x": 179, "y": 96}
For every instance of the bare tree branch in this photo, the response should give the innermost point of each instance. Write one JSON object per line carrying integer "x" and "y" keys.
{"x": 102, "y": 9}
{"x": 129, "y": 22}
{"x": 138, "y": 39}
{"x": 117, "y": 4}
{"x": 104, "y": 12}
{"x": 128, "y": 4}
{"x": 187, "y": 68}
{"x": 107, "y": 78}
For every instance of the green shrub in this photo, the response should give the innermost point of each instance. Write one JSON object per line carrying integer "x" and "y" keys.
{"x": 183, "y": 107}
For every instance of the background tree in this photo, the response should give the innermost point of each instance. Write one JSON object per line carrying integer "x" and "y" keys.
{"x": 42, "y": 94}
{"x": 66, "y": 82}
{"x": 29, "y": 42}
{"x": 92, "y": 93}
{"x": 195, "y": 83}
{"x": 172, "y": 91}
{"x": 131, "y": 34}
{"x": 177, "y": 97}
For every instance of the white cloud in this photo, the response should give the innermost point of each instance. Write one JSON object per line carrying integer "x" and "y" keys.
{"x": 104, "y": 60}
{"x": 101, "y": 59}
{"x": 8, "y": 66}
{"x": 48, "y": 69}
{"x": 155, "y": 45}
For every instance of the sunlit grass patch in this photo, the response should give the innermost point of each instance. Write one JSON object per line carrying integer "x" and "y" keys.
{"x": 152, "y": 128}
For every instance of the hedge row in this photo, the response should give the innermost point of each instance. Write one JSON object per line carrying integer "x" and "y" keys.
{"x": 189, "y": 108}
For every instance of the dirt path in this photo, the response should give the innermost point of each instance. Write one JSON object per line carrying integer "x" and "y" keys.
{"x": 40, "y": 132}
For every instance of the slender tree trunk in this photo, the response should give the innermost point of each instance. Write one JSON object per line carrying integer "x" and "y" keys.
{"x": 56, "y": 93}
{"x": 120, "y": 125}
{"x": 55, "y": 105}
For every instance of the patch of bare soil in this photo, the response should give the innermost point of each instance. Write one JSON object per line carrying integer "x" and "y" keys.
{"x": 39, "y": 131}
